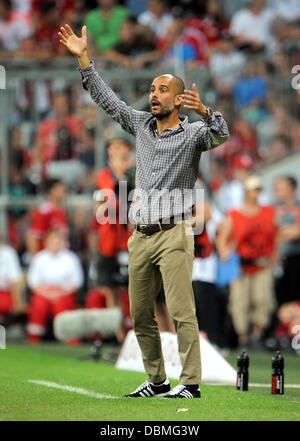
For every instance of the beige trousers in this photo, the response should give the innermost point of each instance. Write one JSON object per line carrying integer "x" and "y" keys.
{"x": 251, "y": 300}
{"x": 168, "y": 256}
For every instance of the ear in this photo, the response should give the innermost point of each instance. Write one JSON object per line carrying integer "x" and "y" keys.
{"x": 178, "y": 99}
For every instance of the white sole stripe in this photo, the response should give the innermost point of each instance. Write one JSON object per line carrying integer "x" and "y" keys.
{"x": 76, "y": 390}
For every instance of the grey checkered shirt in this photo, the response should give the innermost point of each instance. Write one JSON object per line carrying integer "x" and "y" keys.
{"x": 166, "y": 164}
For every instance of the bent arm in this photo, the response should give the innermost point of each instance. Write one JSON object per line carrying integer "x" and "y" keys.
{"x": 105, "y": 98}
{"x": 212, "y": 131}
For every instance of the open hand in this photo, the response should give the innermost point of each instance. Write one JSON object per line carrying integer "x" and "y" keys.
{"x": 76, "y": 45}
{"x": 193, "y": 101}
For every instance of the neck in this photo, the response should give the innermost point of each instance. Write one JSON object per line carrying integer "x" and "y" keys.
{"x": 170, "y": 122}
{"x": 255, "y": 10}
{"x": 106, "y": 11}
{"x": 53, "y": 201}
{"x": 250, "y": 203}
{"x": 290, "y": 200}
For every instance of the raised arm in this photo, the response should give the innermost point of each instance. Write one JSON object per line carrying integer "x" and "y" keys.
{"x": 100, "y": 92}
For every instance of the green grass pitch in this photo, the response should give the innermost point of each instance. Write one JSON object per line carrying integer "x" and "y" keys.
{"x": 21, "y": 400}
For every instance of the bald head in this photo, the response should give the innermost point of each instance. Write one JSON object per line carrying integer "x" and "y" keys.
{"x": 174, "y": 82}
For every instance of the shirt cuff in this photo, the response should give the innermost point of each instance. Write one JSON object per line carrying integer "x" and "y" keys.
{"x": 209, "y": 119}
{"x": 88, "y": 69}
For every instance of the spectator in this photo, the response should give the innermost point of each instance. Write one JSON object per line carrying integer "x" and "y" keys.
{"x": 87, "y": 155}
{"x": 245, "y": 136}
{"x": 136, "y": 46}
{"x": 230, "y": 193}
{"x": 251, "y": 89}
{"x": 19, "y": 156}
{"x": 278, "y": 149}
{"x": 226, "y": 64}
{"x": 104, "y": 23}
{"x": 48, "y": 216}
{"x": 251, "y": 27}
{"x": 11, "y": 300}
{"x": 54, "y": 276}
{"x": 288, "y": 219}
{"x": 66, "y": 10}
{"x": 58, "y": 136}
{"x": 113, "y": 235}
{"x": 289, "y": 324}
{"x": 183, "y": 44}
{"x": 136, "y": 6}
{"x": 210, "y": 20}
{"x": 250, "y": 230}
{"x": 157, "y": 17}
{"x": 177, "y": 50}
{"x": 19, "y": 184}
{"x": 13, "y": 28}
{"x": 48, "y": 20}
{"x": 289, "y": 10}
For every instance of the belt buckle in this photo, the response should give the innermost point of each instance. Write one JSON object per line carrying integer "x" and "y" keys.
{"x": 142, "y": 227}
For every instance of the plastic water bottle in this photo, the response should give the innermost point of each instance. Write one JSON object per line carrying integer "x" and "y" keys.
{"x": 277, "y": 374}
{"x": 242, "y": 373}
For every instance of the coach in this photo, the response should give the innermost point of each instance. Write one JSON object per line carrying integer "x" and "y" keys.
{"x": 168, "y": 150}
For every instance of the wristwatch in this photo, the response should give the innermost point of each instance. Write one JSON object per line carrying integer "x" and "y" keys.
{"x": 209, "y": 112}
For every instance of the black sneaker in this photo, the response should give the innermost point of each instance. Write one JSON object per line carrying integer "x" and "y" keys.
{"x": 147, "y": 390}
{"x": 181, "y": 391}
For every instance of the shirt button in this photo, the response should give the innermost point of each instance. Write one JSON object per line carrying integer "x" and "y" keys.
{"x": 153, "y": 173}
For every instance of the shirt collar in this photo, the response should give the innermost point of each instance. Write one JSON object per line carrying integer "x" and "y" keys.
{"x": 183, "y": 124}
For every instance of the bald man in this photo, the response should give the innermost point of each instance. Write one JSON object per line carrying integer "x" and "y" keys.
{"x": 161, "y": 248}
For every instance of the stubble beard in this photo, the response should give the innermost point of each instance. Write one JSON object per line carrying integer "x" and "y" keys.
{"x": 163, "y": 113}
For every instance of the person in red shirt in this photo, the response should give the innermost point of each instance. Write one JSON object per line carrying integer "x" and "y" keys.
{"x": 112, "y": 236}
{"x": 50, "y": 215}
{"x": 250, "y": 231}
{"x": 58, "y": 136}
{"x": 47, "y": 15}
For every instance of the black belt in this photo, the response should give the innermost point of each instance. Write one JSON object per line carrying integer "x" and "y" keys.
{"x": 150, "y": 229}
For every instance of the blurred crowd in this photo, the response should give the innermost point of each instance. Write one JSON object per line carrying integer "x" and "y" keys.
{"x": 247, "y": 290}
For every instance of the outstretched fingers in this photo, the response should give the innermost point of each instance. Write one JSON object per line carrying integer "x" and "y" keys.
{"x": 69, "y": 30}
{"x": 63, "y": 33}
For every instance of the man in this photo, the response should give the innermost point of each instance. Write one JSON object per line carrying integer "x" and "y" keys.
{"x": 250, "y": 231}
{"x": 288, "y": 219}
{"x": 48, "y": 216}
{"x": 112, "y": 236}
{"x": 104, "y": 23}
{"x": 13, "y": 28}
{"x": 54, "y": 276}
{"x": 251, "y": 27}
{"x": 58, "y": 136}
{"x": 168, "y": 150}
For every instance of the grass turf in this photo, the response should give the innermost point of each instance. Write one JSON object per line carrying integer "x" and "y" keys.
{"x": 21, "y": 400}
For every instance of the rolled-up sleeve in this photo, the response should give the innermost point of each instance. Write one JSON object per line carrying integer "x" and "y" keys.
{"x": 211, "y": 131}
{"x": 105, "y": 97}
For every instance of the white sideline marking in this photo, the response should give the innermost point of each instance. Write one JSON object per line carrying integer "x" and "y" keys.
{"x": 76, "y": 390}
